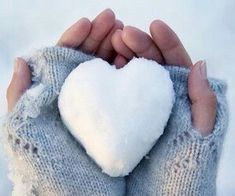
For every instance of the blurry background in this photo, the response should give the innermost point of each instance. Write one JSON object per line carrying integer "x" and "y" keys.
{"x": 206, "y": 27}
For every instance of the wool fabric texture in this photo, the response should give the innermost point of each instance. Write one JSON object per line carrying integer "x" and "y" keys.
{"x": 47, "y": 160}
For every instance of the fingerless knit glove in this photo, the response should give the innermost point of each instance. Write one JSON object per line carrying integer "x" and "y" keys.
{"x": 183, "y": 162}
{"x": 46, "y": 159}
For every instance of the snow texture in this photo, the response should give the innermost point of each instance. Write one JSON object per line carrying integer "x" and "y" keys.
{"x": 110, "y": 111}
{"x": 206, "y": 31}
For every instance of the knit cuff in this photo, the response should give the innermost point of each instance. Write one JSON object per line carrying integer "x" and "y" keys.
{"x": 46, "y": 62}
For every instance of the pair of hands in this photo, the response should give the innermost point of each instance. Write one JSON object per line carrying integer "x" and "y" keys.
{"x": 106, "y": 37}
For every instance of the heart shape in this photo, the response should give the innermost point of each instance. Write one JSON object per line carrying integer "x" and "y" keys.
{"x": 117, "y": 114}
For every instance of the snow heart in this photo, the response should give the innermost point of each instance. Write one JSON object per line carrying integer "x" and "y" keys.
{"x": 117, "y": 114}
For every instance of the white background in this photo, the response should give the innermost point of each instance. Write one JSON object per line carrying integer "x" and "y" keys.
{"x": 206, "y": 27}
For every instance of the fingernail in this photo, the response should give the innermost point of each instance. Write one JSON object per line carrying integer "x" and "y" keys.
{"x": 203, "y": 69}
{"x": 17, "y": 65}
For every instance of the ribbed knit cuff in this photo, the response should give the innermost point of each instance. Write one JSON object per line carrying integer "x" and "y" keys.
{"x": 56, "y": 58}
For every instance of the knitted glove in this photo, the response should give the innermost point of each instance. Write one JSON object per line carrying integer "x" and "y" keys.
{"x": 183, "y": 162}
{"x": 46, "y": 158}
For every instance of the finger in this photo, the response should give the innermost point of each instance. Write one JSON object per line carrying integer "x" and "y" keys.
{"x": 101, "y": 26}
{"x": 120, "y": 61}
{"x": 203, "y": 99}
{"x": 106, "y": 50}
{"x": 20, "y": 82}
{"x": 141, "y": 44}
{"x": 120, "y": 47}
{"x": 169, "y": 44}
{"x": 76, "y": 34}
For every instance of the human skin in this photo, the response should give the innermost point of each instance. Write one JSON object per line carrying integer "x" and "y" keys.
{"x": 118, "y": 45}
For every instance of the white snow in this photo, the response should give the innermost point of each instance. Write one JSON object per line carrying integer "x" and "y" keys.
{"x": 206, "y": 28}
{"x": 117, "y": 114}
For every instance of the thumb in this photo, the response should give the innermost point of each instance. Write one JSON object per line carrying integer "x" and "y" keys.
{"x": 21, "y": 81}
{"x": 202, "y": 98}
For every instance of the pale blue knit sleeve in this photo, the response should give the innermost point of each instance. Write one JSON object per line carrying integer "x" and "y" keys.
{"x": 45, "y": 158}
{"x": 183, "y": 162}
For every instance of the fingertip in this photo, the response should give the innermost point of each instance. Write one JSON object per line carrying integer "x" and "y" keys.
{"x": 135, "y": 39}
{"x": 84, "y": 24}
{"x": 100, "y": 28}
{"x": 128, "y": 32}
{"x": 106, "y": 49}
{"x": 115, "y": 33}
{"x": 159, "y": 28}
{"x": 119, "y": 24}
{"x": 120, "y": 61}
{"x": 119, "y": 45}
{"x": 21, "y": 81}
{"x": 116, "y": 37}
{"x": 21, "y": 69}
{"x": 75, "y": 34}
{"x": 203, "y": 99}
{"x": 106, "y": 15}
{"x": 109, "y": 12}
{"x": 84, "y": 20}
{"x": 198, "y": 84}
{"x": 157, "y": 23}
{"x": 141, "y": 44}
{"x": 169, "y": 44}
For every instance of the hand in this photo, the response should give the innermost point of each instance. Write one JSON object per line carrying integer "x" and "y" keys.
{"x": 165, "y": 47}
{"x": 182, "y": 162}
{"x": 45, "y": 155}
{"x": 91, "y": 37}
